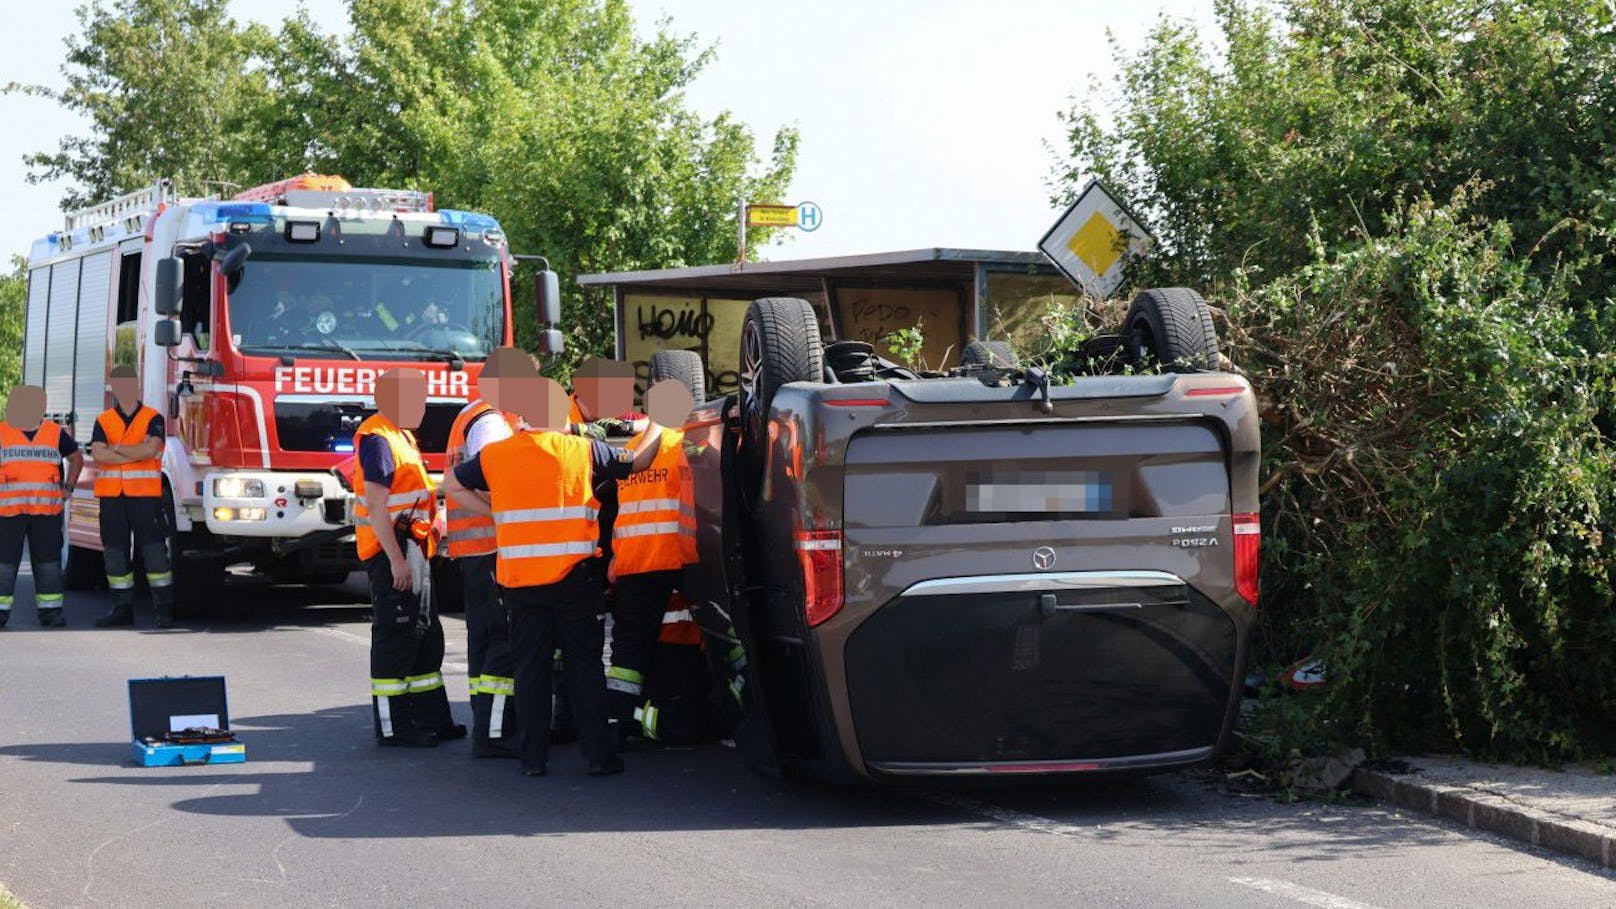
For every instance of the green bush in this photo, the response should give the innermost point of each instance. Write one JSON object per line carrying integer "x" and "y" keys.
{"x": 1435, "y": 377}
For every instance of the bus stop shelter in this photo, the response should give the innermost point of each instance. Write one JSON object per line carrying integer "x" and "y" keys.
{"x": 952, "y": 295}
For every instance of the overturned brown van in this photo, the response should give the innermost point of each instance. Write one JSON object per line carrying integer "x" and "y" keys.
{"x": 978, "y": 572}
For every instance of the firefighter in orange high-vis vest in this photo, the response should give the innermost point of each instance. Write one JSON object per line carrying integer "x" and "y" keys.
{"x": 393, "y": 531}
{"x": 541, "y": 497}
{"x": 653, "y": 539}
{"x": 470, "y": 541}
{"x": 32, "y": 490}
{"x": 127, "y": 446}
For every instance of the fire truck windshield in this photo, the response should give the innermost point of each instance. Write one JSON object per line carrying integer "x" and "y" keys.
{"x": 364, "y": 308}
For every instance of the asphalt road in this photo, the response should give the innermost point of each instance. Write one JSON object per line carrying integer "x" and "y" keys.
{"x": 321, "y": 817}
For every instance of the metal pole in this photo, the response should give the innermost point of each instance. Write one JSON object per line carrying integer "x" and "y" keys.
{"x": 740, "y": 222}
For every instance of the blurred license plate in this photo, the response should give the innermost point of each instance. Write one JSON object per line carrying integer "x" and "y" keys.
{"x": 1041, "y": 492}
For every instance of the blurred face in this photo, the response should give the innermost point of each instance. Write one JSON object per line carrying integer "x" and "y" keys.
{"x": 126, "y": 391}
{"x": 488, "y": 390}
{"x": 25, "y": 408}
{"x": 669, "y": 403}
{"x": 401, "y": 397}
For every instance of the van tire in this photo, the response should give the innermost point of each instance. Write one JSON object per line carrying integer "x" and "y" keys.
{"x": 684, "y": 365}
{"x": 1171, "y": 327}
{"x": 85, "y": 569}
{"x": 992, "y": 354}
{"x": 199, "y": 583}
{"x": 780, "y": 344}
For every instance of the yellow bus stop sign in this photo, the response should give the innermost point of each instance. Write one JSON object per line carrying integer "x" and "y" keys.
{"x": 1091, "y": 241}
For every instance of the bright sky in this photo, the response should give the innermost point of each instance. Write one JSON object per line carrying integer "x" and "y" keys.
{"x": 924, "y": 122}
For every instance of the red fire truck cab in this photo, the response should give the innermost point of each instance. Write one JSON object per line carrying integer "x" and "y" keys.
{"x": 258, "y": 326}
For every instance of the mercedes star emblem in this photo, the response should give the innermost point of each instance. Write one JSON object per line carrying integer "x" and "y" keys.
{"x": 1043, "y": 558}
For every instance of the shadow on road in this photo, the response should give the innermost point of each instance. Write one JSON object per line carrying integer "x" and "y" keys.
{"x": 322, "y": 774}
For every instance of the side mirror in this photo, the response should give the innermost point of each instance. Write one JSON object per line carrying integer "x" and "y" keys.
{"x": 551, "y": 342}
{"x": 547, "y": 296}
{"x": 167, "y": 334}
{"x": 235, "y": 260}
{"x": 166, "y": 288}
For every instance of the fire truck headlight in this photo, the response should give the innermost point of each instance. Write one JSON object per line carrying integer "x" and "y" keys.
{"x": 238, "y": 488}
{"x": 224, "y": 513}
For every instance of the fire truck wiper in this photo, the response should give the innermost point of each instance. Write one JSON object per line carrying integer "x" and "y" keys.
{"x": 329, "y": 344}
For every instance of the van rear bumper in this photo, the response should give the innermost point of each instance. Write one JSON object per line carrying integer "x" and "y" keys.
{"x": 1050, "y": 673}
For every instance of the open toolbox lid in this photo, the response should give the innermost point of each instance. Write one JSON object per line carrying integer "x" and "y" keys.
{"x": 158, "y": 706}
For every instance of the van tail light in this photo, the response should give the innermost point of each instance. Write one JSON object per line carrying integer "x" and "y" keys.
{"x": 819, "y": 552}
{"x": 1247, "y": 536}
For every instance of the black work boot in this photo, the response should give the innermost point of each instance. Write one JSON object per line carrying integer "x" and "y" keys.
{"x": 401, "y": 715}
{"x": 117, "y": 615}
{"x": 5, "y": 614}
{"x": 52, "y": 618}
{"x": 165, "y": 617}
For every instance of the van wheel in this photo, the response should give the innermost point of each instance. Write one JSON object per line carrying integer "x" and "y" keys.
{"x": 85, "y": 569}
{"x": 1170, "y": 327}
{"x": 779, "y": 345}
{"x": 991, "y": 354}
{"x": 684, "y": 365}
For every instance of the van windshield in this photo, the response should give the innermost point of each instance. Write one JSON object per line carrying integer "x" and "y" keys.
{"x": 368, "y": 307}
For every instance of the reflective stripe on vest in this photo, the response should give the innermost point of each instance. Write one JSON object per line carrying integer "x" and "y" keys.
{"x": 30, "y": 471}
{"x": 136, "y": 479}
{"x": 545, "y": 513}
{"x": 655, "y": 528}
{"x": 468, "y": 534}
{"x": 411, "y": 490}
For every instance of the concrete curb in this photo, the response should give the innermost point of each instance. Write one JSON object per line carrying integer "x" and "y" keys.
{"x": 1483, "y": 810}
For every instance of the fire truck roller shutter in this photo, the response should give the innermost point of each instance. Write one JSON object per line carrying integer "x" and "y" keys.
{"x": 90, "y": 358}
{"x": 61, "y": 327}
{"x": 33, "y": 358}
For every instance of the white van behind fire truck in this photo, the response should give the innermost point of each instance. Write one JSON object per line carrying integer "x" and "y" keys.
{"x": 258, "y": 325}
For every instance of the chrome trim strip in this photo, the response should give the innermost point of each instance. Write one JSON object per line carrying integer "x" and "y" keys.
{"x": 1041, "y": 581}
{"x": 1009, "y": 768}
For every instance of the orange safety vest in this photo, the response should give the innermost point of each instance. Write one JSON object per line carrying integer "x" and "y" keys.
{"x": 136, "y": 479}
{"x": 30, "y": 471}
{"x": 574, "y": 415}
{"x": 411, "y": 489}
{"x": 468, "y": 534}
{"x": 655, "y": 529}
{"x": 546, "y": 518}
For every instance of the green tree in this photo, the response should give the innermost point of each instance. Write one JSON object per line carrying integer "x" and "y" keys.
{"x": 13, "y": 314}
{"x": 552, "y": 115}
{"x": 1403, "y": 209}
{"x": 166, "y": 86}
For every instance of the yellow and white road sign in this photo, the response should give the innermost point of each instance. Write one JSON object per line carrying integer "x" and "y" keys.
{"x": 1090, "y": 242}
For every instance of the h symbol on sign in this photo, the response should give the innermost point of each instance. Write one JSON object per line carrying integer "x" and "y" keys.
{"x": 808, "y": 216}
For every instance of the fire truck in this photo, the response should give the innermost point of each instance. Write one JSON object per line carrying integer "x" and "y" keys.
{"x": 258, "y": 325}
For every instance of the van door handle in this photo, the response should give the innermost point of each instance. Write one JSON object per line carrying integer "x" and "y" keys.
{"x": 1048, "y": 606}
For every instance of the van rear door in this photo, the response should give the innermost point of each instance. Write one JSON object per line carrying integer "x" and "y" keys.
{"x": 1038, "y": 590}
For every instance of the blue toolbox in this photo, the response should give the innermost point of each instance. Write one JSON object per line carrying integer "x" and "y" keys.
{"x": 176, "y": 721}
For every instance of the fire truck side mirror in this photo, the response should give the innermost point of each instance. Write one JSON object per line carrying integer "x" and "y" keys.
{"x": 167, "y": 333}
{"x": 551, "y": 342}
{"x": 547, "y": 294}
{"x": 166, "y": 289}
{"x": 234, "y": 264}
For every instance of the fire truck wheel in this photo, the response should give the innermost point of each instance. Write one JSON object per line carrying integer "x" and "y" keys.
{"x": 199, "y": 583}
{"x": 85, "y": 569}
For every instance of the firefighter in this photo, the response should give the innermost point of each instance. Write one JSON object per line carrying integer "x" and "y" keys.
{"x": 471, "y": 544}
{"x": 678, "y": 709}
{"x": 547, "y": 534}
{"x": 127, "y": 446}
{"x": 653, "y": 539}
{"x": 393, "y": 531}
{"x": 32, "y": 490}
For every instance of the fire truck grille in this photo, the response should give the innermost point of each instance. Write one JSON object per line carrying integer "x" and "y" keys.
{"x": 331, "y": 427}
